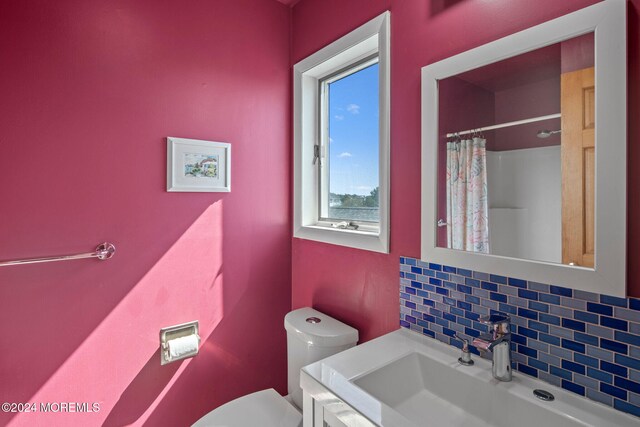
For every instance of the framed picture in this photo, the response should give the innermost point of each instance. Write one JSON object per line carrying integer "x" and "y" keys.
{"x": 194, "y": 165}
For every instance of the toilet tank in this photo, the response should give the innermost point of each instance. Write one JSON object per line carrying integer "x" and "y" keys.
{"x": 312, "y": 336}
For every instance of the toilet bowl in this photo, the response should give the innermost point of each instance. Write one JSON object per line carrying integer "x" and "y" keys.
{"x": 262, "y": 408}
{"x": 311, "y": 336}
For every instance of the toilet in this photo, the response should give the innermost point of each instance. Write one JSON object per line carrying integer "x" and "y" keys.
{"x": 311, "y": 336}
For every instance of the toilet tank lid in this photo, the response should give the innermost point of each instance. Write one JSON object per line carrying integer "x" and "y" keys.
{"x": 327, "y": 332}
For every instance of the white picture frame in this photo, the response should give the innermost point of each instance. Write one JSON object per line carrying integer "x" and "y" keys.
{"x": 194, "y": 165}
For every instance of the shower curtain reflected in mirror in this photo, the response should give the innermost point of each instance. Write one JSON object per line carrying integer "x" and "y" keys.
{"x": 467, "y": 203}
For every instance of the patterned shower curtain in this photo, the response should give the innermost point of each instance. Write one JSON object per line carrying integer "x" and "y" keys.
{"x": 467, "y": 206}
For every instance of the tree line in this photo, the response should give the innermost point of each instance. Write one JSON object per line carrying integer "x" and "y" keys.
{"x": 358, "y": 200}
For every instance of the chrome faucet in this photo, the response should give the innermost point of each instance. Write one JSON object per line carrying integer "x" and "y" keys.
{"x": 498, "y": 341}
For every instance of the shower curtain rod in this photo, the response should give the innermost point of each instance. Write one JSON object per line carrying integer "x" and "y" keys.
{"x": 505, "y": 125}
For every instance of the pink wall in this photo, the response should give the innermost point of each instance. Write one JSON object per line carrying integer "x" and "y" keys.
{"x": 362, "y": 287}
{"x": 539, "y": 98}
{"x": 90, "y": 90}
{"x": 578, "y": 53}
{"x": 522, "y": 102}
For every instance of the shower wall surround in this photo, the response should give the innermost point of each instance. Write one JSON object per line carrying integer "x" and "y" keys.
{"x": 583, "y": 342}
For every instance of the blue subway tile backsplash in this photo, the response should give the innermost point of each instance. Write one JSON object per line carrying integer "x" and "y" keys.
{"x": 586, "y": 343}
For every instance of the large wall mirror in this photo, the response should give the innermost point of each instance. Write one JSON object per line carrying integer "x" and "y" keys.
{"x": 524, "y": 154}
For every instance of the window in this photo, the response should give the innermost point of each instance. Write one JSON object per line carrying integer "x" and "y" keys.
{"x": 349, "y": 137}
{"x": 341, "y": 133}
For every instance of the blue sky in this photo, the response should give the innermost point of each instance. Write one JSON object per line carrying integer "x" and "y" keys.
{"x": 353, "y": 133}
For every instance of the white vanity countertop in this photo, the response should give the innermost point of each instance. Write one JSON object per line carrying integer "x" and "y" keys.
{"x": 455, "y": 395}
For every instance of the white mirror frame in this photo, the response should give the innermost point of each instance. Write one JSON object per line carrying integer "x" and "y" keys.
{"x": 608, "y": 20}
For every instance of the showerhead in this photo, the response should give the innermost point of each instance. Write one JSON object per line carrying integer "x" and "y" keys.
{"x": 547, "y": 133}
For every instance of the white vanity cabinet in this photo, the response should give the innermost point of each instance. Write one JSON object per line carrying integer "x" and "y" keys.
{"x": 404, "y": 379}
{"x": 322, "y": 408}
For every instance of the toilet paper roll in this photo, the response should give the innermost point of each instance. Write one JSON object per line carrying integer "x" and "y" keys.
{"x": 183, "y": 345}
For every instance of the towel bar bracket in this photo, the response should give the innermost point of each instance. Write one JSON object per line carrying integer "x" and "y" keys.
{"x": 105, "y": 251}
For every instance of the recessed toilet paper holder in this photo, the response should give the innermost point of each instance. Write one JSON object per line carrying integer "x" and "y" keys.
{"x": 183, "y": 330}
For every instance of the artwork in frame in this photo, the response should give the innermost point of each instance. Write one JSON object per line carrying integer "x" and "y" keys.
{"x": 198, "y": 166}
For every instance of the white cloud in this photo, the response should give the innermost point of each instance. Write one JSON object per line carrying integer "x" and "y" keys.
{"x": 353, "y": 108}
{"x": 330, "y": 140}
{"x": 339, "y": 117}
{"x": 345, "y": 154}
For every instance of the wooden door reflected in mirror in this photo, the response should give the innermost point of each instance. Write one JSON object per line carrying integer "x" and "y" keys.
{"x": 578, "y": 167}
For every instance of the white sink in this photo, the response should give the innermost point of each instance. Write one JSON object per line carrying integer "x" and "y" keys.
{"x": 406, "y": 379}
{"x": 418, "y": 389}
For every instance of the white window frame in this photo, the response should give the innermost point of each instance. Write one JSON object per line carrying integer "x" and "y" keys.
{"x": 365, "y": 41}
{"x": 324, "y": 162}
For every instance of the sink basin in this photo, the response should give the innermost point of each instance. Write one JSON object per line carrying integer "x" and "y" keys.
{"x": 404, "y": 379}
{"x": 420, "y": 388}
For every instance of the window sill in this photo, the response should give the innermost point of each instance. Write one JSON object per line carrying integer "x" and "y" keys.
{"x": 358, "y": 239}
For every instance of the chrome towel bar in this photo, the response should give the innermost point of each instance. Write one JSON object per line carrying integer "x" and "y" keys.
{"x": 103, "y": 251}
